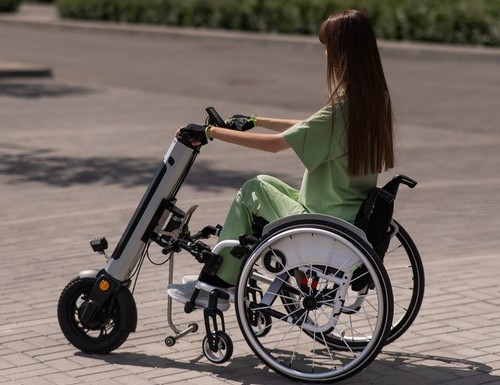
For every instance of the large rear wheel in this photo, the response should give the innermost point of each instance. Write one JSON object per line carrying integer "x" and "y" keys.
{"x": 404, "y": 266}
{"x": 304, "y": 273}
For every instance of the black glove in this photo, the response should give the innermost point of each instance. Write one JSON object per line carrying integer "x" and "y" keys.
{"x": 194, "y": 133}
{"x": 241, "y": 122}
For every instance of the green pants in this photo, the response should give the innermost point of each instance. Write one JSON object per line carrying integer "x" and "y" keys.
{"x": 263, "y": 196}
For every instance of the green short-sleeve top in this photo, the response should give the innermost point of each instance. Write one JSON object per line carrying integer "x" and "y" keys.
{"x": 320, "y": 143}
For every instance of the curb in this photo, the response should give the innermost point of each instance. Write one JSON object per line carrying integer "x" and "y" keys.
{"x": 23, "y": 70}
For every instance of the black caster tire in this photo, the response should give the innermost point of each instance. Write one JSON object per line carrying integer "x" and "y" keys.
{"x": 261, "y": 324}
{"x": 170, "y": 341}
{"x": 194, "y": 327}
{"x": 224, "y": 348}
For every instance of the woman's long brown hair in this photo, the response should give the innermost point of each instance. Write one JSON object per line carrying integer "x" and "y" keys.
{"x": 354, "y": 68}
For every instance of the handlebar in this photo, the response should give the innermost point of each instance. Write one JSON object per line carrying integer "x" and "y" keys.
{"x": 213, "y": 118}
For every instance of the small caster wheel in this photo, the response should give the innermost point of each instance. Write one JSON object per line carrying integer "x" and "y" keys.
{"x": 224, "y": 348}
{"x": 194, "y": 327}
{"x": 170, "y": 341}
{"x": 261, "y": 323}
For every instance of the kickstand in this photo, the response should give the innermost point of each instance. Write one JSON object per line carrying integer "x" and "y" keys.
{"x": 179, "y": 333}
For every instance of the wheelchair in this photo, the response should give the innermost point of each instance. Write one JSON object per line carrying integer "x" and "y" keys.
{"x": 316, "y": 299}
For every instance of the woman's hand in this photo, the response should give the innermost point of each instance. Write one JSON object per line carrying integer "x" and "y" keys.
{"x": 195, "y": 134}
{"x": 241, "y": 122}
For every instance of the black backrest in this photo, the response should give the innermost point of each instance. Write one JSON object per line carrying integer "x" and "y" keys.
{"x": 375, "y": 214}
{"x": 374, "y": 218}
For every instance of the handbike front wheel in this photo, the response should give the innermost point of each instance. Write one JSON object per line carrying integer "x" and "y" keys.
{"x": 106, "y": 333}
{"x": 304, "y": 274}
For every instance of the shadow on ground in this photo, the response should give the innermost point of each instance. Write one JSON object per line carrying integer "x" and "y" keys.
{"x": 408, "y": 368}
{"x": 63, "y": 171}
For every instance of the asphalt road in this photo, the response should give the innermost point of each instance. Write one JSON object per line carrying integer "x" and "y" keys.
{"x": 444, "y": 91}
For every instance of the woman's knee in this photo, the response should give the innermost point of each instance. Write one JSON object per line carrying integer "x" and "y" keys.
{"x": 257, "y": 182}
{"x": 253, "y": 184}
{"x": 268, "y": 179}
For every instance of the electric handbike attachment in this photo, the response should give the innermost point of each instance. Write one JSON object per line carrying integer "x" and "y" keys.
{"x": 313, "y": 299}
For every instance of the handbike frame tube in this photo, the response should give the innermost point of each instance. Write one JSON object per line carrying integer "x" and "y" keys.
{"x": 164, "y": 186}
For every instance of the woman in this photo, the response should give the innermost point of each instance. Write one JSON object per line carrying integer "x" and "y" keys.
{"x": 343, "y": 146}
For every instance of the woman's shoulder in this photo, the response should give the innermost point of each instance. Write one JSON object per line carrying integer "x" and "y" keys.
{"x": 334, "y": 111}
{"x": 323, "y": 114}
{"x": 339, "y": 103}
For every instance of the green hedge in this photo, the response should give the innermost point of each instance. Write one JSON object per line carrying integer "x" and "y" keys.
{"x": 450, "y": 21}
{"x": 9, "y": 5}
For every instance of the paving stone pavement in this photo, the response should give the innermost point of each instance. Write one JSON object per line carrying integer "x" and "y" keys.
{"x": 75, "y": 159}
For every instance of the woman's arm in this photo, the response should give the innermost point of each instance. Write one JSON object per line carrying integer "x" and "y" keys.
{"x": 273, "y": 124}
{"x": 264, "y": 142}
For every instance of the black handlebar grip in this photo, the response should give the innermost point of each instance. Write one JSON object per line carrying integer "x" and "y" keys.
{"x": 186, "y": 137}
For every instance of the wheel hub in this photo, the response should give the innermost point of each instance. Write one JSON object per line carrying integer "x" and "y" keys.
{"x": 311, "y": 302}
{"x": 97, "y": 322}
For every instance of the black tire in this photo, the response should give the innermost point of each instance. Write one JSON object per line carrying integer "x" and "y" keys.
{"x": 224, "y": 348}
{"x": 262, "y": 323}
{"x": 408, "y": 295}
{"x": 273, "y": 262}
{"x": 110, "y": 331}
